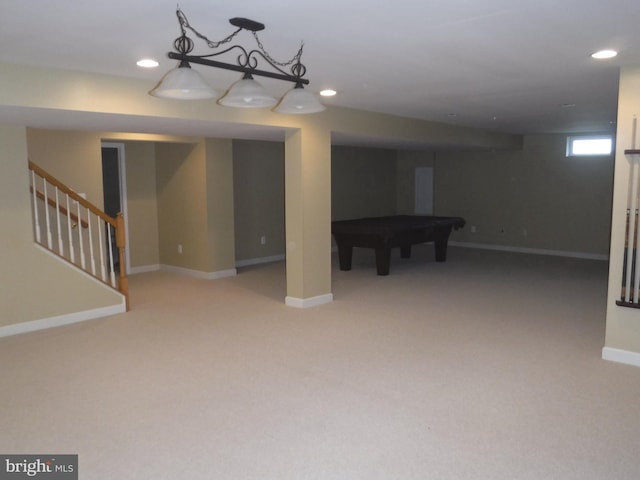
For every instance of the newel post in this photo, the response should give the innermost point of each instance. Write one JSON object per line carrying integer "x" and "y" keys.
{"x": 123, "y": 284}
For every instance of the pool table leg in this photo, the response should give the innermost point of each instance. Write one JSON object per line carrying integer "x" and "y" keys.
{"x": 383, "y": 260}
{"x": 345, "y": 255}
{"x": 440, "y": 244}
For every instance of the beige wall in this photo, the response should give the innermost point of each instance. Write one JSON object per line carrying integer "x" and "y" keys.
{"x": 363, "y": 182}
{"x": 258, "y": 187}
{"x": 534, "y": 198}
{"x": 182, "y": 208}
{"x": 219, "y": 201}
{"x": 35, "y": 285}
{"x": 623, "y": 323}
{"x": 76, "y": 156}
{"x": 142, "y": 205}
{"x": 73, "y": 157}
{"x": 194, "y": 185}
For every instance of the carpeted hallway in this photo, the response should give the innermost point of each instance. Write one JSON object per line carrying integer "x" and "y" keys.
{"x": 487, "y": 366}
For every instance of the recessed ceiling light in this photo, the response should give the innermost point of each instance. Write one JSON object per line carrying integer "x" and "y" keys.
{"x": 603, "y": 54}
{"x": 328, "y": 92}
{"x": 147, "y": 63}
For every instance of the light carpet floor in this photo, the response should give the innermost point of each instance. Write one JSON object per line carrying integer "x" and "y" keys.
{"x": 487, "y": 366}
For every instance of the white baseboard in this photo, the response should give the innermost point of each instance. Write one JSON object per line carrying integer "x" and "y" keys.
{"x": 256, "y": 261}
{"x": 144, "y": 269}
{"x": 308, "y": 302}
{"x": 534, "y": 251}
{"x": 240, "y": 263}
{"x": 198, "y": 274}
{"x": 621, "y": 356}
{"x": 60, "y": 320}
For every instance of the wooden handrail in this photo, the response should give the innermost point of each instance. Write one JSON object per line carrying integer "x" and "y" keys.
{"x": 62, "y": 187}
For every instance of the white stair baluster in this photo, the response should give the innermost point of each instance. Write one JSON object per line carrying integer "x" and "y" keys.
{"x": 60, "y": 243}
{"x": 93, "y": 259}
{"x": 83, "y": 261}
{"x": 47, "y": 220}
{"x": 47, "y": 215}
{"x": 36, "y": 218}
{"x": 103, "y": 272}
{"x": 72, "y": 250}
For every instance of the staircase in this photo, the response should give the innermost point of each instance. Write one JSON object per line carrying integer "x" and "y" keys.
{"x": 77, "y": 231}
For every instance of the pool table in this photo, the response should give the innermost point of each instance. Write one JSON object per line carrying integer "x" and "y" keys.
{"x": 384, "y": 233}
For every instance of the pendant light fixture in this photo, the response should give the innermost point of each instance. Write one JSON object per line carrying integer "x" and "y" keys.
{"x": 185, "y": 83}
{"x": 298, "y": 100}
{"x": 247, "y": 93}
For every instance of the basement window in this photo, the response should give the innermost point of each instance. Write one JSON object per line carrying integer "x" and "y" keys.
{"x": 583, "y": 145}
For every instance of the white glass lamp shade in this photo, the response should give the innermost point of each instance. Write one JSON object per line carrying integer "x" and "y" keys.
{"x": 183, "y": 83}
{"x": 247, "y": 93}
{"x": 299, "y": 101}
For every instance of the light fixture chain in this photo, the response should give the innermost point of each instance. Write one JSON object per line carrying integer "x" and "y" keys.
{"x": 184, "y": 24}
{"x": 295, "y": 59}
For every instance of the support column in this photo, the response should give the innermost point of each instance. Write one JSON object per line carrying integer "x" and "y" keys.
{"x": 220, "y": 221}
{"x": 308, "y": 217}
{"x": 622, "y": 341}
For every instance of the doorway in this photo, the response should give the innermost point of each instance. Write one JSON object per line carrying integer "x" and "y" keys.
{"x": 114, "y": 194}
{"x": 424, "y": 191}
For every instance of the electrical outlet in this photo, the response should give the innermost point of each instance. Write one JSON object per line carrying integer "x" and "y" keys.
{"x": 180, "y": 248}
{"x": 473, "y": 229}
{"x": 263, "y": 240}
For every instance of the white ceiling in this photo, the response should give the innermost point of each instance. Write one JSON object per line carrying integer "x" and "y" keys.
{"x": 506, "y": 65}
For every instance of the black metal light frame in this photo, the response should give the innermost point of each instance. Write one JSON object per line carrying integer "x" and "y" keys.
{"x": 247, "y": 60}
